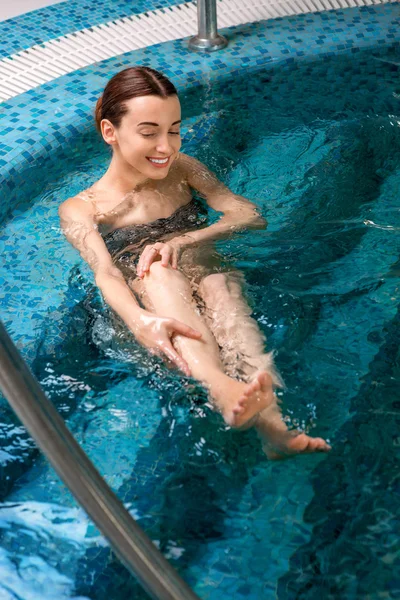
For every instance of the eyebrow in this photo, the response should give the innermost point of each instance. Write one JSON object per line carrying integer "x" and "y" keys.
{"x": 156, "y": 124}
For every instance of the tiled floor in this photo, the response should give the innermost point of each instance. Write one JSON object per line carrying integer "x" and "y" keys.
{"x": 19, "y": 7}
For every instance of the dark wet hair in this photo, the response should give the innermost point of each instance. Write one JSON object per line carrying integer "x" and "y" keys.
{"x": 130, "y": 83}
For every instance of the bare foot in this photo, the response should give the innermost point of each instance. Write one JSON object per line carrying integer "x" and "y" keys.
{"x": 293, "y": 443}
{"x": 241, "y": 402}
{"x": 278, "y": 442}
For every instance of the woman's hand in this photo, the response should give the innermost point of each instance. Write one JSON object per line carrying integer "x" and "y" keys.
{"x": 169, "y": 253}
{"x": 155, "y": 333}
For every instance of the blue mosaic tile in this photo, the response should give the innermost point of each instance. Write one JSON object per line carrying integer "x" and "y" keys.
{"x": 45, "y": 24}
{"x": 59, "y": 112}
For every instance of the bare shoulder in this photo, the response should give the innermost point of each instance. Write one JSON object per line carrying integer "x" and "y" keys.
{"x": 76, "y": 207}
{"x": 188, "y": 164}
{"x": 199, "y": 177}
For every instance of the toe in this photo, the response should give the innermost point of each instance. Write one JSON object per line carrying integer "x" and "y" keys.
{"x": 318, "y": 445}
{"x": 264, "y": 380}
{"x": 253, "y": 387}
{"x": 247, "y": 392}
{"x": 323, "y": 446}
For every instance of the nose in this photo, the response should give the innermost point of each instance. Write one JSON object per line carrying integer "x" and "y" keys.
{"x": 164, "y": 145}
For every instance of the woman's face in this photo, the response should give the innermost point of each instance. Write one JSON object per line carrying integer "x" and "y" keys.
{"x": 148, "y": 138}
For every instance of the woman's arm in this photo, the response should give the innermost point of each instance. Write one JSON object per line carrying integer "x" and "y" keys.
{"x": 80, "y": 230}
{"x": 238, "y": 214}
{"x": 153, "y": 332}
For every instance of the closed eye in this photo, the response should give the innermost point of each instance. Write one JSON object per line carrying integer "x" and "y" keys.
{"x": 153, "y": 134}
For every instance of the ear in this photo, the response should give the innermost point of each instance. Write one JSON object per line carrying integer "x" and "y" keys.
{"x": 108, "y": 132}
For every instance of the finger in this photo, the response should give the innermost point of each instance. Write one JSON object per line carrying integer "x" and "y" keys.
{"x": 139, "y": 270}
{"x": 141, "y": 261}
{"x": 183, "y": 329}
{"x": 148, "y": 259}
{"x": 165, "y": 256}
{"x": 174, "y": 357}
{"x": 139, "y": 266}
{"x": 174, "y": 258}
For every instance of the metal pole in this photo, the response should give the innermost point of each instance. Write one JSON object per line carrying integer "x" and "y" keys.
{"x": 208, "y": 38}
{"x": 49, "y": 431}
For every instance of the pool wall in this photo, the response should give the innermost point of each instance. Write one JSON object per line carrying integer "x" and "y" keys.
{"x": 39, "y": 26}
{"x": 40, "y": 127}
{"x": 42, "y": 54}
{"x": 42, "y": 130}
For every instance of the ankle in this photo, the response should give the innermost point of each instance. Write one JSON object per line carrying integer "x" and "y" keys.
{"x": 223, "y": 388}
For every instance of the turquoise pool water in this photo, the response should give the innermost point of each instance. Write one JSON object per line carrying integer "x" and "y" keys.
{"x": 317, "y": 147}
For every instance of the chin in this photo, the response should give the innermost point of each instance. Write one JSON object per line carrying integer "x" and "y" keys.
{"x": 158, "y": 174}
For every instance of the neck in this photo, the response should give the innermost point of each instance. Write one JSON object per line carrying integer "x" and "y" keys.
{"x": 121, "y": 177}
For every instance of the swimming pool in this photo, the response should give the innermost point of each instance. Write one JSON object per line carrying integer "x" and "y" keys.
{"x": 317, "y": 146}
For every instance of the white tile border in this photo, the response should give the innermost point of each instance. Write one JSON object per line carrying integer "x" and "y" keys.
{"x": 43, "y": 63}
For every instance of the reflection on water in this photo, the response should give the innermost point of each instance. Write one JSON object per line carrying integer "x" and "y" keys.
{"x": 319, "y": 152}
{"x": 354, "y": 551}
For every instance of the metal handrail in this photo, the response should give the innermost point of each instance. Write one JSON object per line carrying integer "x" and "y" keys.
{"x": 45, "y": 425}
{"x": 208, "y": 37}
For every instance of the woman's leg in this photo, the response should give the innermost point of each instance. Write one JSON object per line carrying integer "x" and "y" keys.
{"x": 168, "y": 293}
{"x": 229, "y": 317}
{"x": 242, "y": 344}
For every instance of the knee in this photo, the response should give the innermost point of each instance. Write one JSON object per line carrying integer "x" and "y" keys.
{"x": 213, "y": 284}
{"x": 163, "y": 274}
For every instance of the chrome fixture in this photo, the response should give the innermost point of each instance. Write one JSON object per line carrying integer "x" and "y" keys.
{"x": 208, "y": 38}
{"x": 47, "y": 427}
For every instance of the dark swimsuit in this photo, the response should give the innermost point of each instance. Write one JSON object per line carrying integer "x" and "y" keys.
{"x": 127, "y": 243}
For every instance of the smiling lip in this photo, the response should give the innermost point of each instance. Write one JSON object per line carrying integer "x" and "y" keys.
{"x": 159, "y": 166}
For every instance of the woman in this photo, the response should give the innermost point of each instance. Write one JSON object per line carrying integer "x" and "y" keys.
{"x": 134, "y": 227}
